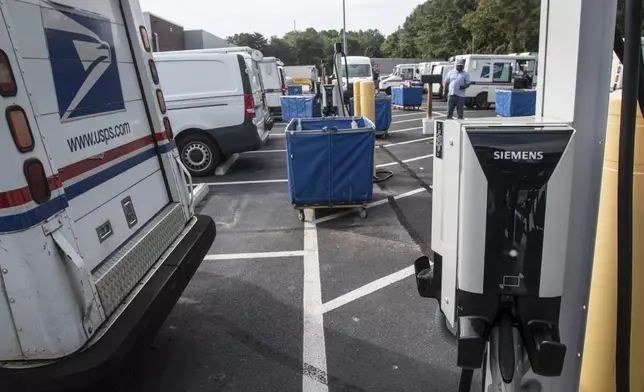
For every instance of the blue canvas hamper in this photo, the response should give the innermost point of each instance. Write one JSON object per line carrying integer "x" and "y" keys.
{"x": 383, "y": 112}
{"x": 294, "y": 90}
{"x": 328, "y": 163}
{"x": 407, "y": 96}
{"x": 515, "y": 103}
{"x": 299, "y": 106}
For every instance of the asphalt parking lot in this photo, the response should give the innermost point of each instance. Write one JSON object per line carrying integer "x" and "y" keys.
{"x": 327, "y": 305}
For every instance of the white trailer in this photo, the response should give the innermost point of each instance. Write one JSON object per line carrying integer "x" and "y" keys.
{"x": 98, "y": 236}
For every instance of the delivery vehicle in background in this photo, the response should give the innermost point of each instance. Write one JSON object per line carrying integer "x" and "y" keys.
{"x": 402, "y": 74}
{"x": 490, "y": 73}
{"x": 252, "y": 57}
{"x": 359, "y": 68}
{"x": 274, "y": 84}
{"x": 303, "y": 75}
{"x": 97, "y": 224}
{"x": 211, "y": 101}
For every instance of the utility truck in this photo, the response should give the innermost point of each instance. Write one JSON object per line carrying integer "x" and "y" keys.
{"x": 98, "y": 236}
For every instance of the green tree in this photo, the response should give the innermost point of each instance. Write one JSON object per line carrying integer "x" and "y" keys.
{"x": 282, "y": 49}
{"x": 389, "y": 47}
{"x": 254, "y": 40}
{"x": 504, "y": 26}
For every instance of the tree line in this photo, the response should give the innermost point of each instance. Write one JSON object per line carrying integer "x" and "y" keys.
{"x": 435, "y": 29}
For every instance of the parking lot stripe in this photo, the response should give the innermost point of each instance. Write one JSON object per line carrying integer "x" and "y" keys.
{"x": 245, "y": 182}
{"x": 439, "y": 114}
{"x": 406, "y": 130}
{"x": 404, "y": 121}
{"x": 408, "y": 142}
{"x": 261, "y": 255}
{"x": 262, "y": 151}
{"x": 367, "y": 289}
{"x": 405, "y": 161}
{"x": 314, "y": 375}
{"x": 370, "y": 205}
{"x": 407, "y": 114}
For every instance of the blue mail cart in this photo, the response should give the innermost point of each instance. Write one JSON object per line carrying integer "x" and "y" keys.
{"x": 383, "y": 114}
{"x": 329, "y": 164}
{"x": 407, "y": 97}
{"x": 515, "y": 103}
{"x": 299, "y": 106}
{"x": 294, "y": 90}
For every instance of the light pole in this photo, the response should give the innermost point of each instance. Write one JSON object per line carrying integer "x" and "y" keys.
{"x": 344, "y": 29}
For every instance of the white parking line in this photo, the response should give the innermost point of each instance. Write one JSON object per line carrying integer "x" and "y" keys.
{"x": 262, "y": 255}
{"x": 406, "y": 130}
{"x": 278, "y": 134}
{"x": 314, "y": 372}
{"x": 245, "y": 182}
{"x": 407, "y": 114}
{"x": 405, "y": 161}
{"x": 367, "y": 289}
{"x": 262, "y": 151}
{"x": 404, "y": 121}
{"x": 407, "y": 142}
{"x": 439, "y": 114}
{"x": 370, "y": 205}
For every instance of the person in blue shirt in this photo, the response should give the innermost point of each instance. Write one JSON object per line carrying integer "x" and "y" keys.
{"x": 457, "y": 81}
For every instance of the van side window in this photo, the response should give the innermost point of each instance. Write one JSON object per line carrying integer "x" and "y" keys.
{"x": 502, "y": 72}
{"x": 407, "y": 73}
{"x": 485, "y": 71}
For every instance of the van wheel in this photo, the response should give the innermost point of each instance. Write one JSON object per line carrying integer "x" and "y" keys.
{"x": 200, "y": 155}
{"x": 481, "y": 101}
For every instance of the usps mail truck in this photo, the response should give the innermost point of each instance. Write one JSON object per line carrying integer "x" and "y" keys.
{"x": 98, "y": 236}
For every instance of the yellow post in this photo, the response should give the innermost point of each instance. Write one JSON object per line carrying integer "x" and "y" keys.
{"x": 368, "y": 107}
{"x": 368, "y": 101}
{"x": 598, "y": 366}
{"x": 357, "y": 95}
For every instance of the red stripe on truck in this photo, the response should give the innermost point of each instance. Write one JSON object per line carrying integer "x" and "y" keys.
{"x": 76, "y": 169}
{"x": 18, "y": 197}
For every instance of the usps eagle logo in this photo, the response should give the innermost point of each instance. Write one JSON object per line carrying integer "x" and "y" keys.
{"x": 83, "y": 63}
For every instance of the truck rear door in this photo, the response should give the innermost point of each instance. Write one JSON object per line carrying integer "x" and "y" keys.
{"x": 89, "y": 107}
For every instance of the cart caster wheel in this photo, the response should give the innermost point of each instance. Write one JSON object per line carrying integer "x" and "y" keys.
{"x": 300, "y": 215}
{"x": 363, "y": 213}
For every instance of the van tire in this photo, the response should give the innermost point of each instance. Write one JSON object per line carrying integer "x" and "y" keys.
{"x": 482, "y": 102}
{"x": 200, "y": 154}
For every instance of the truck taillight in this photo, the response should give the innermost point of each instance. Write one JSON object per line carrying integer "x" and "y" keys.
{"x": 161, "y": 101}
{"x": 144, "y": 38}
{"x": 19, "y": 128}
{"x": 168, "y": 128}
{"x": 153, "y": 71}
{"x": 8, "y": 86}
{"x": 249, "y": 106}
{"x": 37, "y": 181}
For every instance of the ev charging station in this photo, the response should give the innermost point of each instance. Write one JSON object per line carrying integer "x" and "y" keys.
{"x": 515, "y": 213}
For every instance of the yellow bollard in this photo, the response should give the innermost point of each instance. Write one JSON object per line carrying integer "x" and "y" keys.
{"x": 598, "y": 366}
{"x": 368, "y": 101}
{"x": 357, "y": 104}
{"x": 368, "y": 107}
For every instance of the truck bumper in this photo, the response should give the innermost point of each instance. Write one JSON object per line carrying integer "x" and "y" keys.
{"x": 135, "y": 327}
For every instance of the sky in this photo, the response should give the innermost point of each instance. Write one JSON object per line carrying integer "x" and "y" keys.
{"x": 275, "y": 17}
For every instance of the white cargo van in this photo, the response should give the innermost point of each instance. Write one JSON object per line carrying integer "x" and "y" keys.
{"x": 212, "y": 105}
{"x": 359, "y": 68}
{"x": 274, "y": 84}
{"x": 97, "y": 226}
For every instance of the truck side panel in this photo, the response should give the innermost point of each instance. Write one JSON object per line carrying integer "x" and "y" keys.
{"x": 92, "y": 115}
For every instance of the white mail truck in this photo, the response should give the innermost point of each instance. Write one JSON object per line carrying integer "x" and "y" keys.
{"x": 98, "y": 236}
